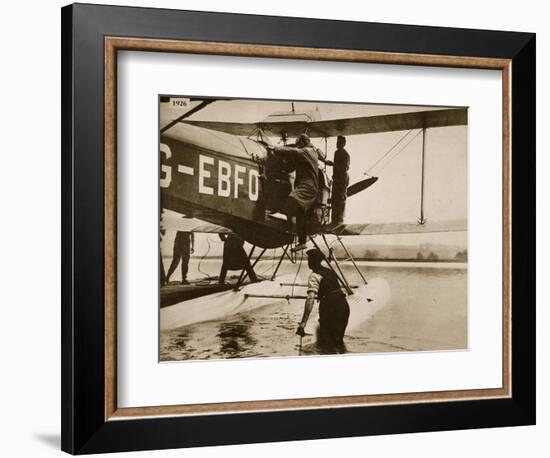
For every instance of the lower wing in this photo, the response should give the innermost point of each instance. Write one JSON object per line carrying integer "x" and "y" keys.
{"x": 400, "y": 228}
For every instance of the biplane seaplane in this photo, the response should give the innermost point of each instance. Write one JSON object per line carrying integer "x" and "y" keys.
{"x": 223, "y": 177}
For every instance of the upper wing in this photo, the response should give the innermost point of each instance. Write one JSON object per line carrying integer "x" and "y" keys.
{"x": 389, "y": 122}
{"x": 349, "y": 126}
{"x": 401, "y": 228}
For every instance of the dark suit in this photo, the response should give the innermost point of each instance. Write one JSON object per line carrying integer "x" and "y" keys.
{"x": 182, "y": 251}
{"x": 340, "y": 183}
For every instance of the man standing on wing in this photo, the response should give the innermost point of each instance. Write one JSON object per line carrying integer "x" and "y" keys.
{"x": 306, "y": 186}
{"x": 333, "y": 305}
{"x": 340, "y": 181}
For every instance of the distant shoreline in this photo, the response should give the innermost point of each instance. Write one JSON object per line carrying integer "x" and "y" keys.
{"x": 409, "y": 260}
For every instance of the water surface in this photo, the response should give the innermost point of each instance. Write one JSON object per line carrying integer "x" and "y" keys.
{"x": 427, "y": 311}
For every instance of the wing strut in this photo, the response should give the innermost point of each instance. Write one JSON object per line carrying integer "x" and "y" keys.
{"x": 422, "y": 220}
{"x": 349, "y": 258}
{"x": 280, "y": 261}
{"x": 193, "y": 110}
{"x": 244, "y": 273}
{"x": 339, "y": 274}
{"x": 331, "y": 257}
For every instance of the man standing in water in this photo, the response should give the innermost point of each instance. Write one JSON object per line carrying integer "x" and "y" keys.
{"x": 340, "y": 181}
{"x": 306, "y": 186}
{"x": 183, "y": 247}
{"x": 333, "y": 306}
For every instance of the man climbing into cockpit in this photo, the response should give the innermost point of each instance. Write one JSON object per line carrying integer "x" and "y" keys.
{"x": 306, "y": 185}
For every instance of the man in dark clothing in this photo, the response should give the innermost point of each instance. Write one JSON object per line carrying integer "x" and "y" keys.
{"x": 306, "y": 184}
{"x": 162, "y": 232}
{"x": 161, "y": 265}
{"x": 333, "y": 306}
{"x": 183, "y": 247}
{"x": 234, "y": 257}
{"x": 340, "y": 181}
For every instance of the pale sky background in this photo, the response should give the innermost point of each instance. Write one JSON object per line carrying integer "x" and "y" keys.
{"x": 395, "y": 197}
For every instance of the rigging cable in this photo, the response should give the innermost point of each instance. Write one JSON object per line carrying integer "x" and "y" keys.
{"x": 208, "y": 276}
{"x": 297, "y": 272}
{"x": 188, "y": 113}
{"x": 387, "y": 152}
{"x": 399, "y": 152}
{"x": 272, "y": 266}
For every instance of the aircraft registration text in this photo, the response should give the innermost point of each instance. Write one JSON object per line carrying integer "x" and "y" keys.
{"x": 212, "y": 176}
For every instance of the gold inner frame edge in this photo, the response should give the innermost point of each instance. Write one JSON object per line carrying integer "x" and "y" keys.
{"x": 114, "y": 44}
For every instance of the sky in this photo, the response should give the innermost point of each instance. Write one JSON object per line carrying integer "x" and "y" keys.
{"x": 395, "y": 197}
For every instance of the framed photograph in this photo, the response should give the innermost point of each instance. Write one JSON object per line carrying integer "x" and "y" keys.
{"x": 284, "y": 228}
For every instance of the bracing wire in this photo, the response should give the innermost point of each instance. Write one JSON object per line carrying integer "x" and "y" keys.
{"x": 297, "y": 272}
{"x": 272, "y": 264}
{"x": 373, "y": 166}
{"x": 398, "y": 152}
{"x": 401, "y": 150}
{"x": 208, "y": 276}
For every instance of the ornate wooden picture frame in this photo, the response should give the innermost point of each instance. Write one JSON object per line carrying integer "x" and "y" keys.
{"x": 92, "y": 421}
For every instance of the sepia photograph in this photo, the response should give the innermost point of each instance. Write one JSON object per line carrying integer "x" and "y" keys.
{"x": 292, "y": 228}
{"x": 272, "y": 220}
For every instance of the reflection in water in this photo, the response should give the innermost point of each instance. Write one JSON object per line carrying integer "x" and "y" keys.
{"x": 331, "y": 349}
{"x": 179, "y": 341}
{"x": 319, "y": 347}
{"x": 234, "y": 337}
{"x": 323, "y": 348}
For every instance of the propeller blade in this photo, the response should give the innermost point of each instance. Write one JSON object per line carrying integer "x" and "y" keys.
{"x": 360, "y": 186}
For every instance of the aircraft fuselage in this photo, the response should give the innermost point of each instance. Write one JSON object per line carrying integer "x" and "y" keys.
{"x": 220, "y": 181}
